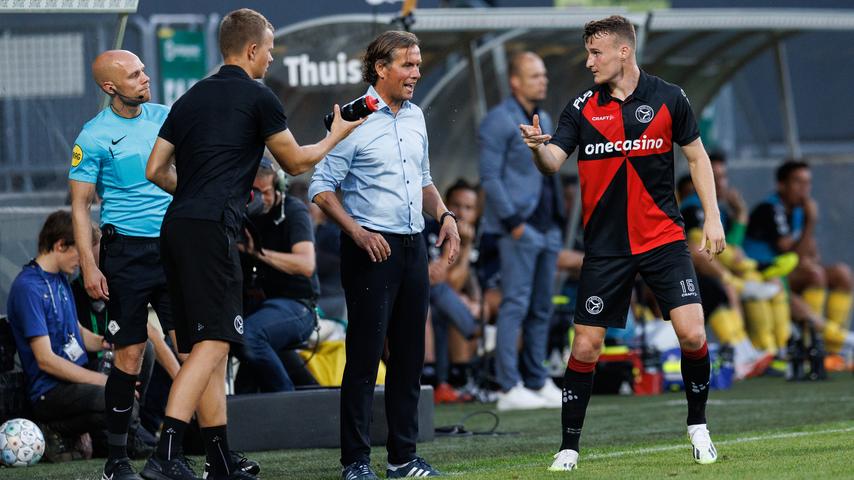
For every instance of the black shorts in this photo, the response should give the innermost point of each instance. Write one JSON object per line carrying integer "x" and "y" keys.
{"x": 135, "y": 278}
{"x": 605, "y": 287}
{"x": 203, "y": 272}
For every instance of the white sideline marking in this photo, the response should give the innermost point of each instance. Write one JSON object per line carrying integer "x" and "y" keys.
{"x": 667, "y": 448}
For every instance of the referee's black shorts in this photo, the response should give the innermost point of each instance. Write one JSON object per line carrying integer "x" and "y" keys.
{"x": 135, "y": 278}
{"x": 203, "y": 272}
{"x": 605, "y": 286}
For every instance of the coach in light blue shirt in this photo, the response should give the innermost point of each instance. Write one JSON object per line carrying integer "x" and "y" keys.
{"x": 381, "y": 169}
{"x": 383, "y": 172}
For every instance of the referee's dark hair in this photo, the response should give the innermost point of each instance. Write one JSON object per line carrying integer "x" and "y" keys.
{"x": 614, "y": 25}
{"x": 239, "y": 28}
{"x": 382, "y": 50}
{"x": 789, "y": 167}
{"x": 57, "y": 227}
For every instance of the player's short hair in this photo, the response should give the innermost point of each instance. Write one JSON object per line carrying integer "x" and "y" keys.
{"x": 382, "y": 50}
{"x": 614, "y": 25}
{"x": 58, "y": 226}
{"x": 717, "y": 156}
{"x": 789, "y": 167}
{"x": 460, "y": 184}
{"x": 514, "y": 67}
{"x": 240, "y": 28}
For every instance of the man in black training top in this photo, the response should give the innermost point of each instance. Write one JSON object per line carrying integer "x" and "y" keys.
{"x": 625, "y": 127}
{"x": 216, "y": 133}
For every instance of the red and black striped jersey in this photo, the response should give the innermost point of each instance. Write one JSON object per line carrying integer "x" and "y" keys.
{"x": 625, "y": 164}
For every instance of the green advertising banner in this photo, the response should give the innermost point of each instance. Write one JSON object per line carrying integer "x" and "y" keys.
{"x": 182, "y": 61}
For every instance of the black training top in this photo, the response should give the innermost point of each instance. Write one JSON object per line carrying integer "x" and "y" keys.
{"x": 294, "y": 228}
{"x": 218, "y": 128}
{"x": 625, "y": 164}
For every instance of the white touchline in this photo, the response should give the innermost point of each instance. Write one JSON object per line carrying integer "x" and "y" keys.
{"x": 667, "y": 448}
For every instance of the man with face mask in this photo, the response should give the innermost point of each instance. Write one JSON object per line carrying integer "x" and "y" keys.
{"x": 109, "y": 159}
{"x": 280, "y": 281}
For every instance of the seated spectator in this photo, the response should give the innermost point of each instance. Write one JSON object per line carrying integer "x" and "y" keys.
{"x": 454, "y": 294}
{"x": 66, "y": 397}
{"x": 280, "y": 282}
{"x": 786, "y": 222}
{"x": 721, "y": 289}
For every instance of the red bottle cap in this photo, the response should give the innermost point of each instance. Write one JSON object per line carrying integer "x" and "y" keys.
{"x": 372, "y": 103}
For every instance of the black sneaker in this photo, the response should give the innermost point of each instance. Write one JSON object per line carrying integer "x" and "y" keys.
{"x": 119, "y": 469}
{"x": 243, "y": 464}
{"x": 179, "y": 468}
{"x": 415, "y": 468}
{"x": 137, "y": 448}
{"x": 359, "y": 471}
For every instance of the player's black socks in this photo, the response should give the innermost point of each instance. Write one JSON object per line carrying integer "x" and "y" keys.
{"x": 577, "y": 385}
{"x": 216, "y": 449}
{"x": 696, "y": 369}
{"x": 171, "y": 438}
{"x": 118, "y": 399}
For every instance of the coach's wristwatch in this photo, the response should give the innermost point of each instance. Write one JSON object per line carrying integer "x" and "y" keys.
{"x": 447, "y": 214}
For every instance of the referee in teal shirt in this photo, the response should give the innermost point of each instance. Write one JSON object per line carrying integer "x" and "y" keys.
{"x": 109, "y": 158}
{"x": 383, "y": 172}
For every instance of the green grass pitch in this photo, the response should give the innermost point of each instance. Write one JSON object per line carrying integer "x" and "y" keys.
{"x": 763, "y": 429}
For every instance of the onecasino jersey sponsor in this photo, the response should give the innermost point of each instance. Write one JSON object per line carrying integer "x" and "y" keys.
{"x": 641, "y": 146}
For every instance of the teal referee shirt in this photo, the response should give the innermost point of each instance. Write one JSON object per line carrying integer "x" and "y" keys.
{"x": 112, "y": 152}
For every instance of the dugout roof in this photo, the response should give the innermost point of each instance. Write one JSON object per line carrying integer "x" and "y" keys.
{"x": 700, "y": 49}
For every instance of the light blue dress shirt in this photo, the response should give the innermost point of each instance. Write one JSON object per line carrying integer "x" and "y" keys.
{"x": 380, "y": 168}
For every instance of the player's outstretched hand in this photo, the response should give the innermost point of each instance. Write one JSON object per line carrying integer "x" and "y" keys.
{"x": 341, "y": 128}
{"x": 374, "y": 244}
{"x": 533, "y": 134}
{"x": 714, "y": 240}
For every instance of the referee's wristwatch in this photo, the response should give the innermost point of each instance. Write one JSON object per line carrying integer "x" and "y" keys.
{"x": 445, "y": 215}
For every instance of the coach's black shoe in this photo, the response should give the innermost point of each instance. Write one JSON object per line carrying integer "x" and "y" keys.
{"x": 359, "y": 471}
{"x": 119, "y": 469}
{"x": 179, "y": 468}
{"x": 415, "y": 468}
{"x": 238, "y": 459}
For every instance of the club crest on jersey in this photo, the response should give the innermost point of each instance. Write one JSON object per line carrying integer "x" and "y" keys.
{"x": 238, "y": 324}
{"x": 594, "y": 305}
{"x": 644, "y": 113}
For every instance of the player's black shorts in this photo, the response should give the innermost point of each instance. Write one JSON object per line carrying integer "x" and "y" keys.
{"x": 203, "y": 271}
{"x": 605, "y": 287}
{"x": 134, "y": 279}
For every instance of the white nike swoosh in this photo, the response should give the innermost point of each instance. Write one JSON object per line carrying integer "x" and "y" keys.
{"x": 121, "y": 411}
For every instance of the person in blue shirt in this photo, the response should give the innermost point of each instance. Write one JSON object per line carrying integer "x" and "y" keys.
{"x": 109, "y": 159}
{"x": 65, "y": 396}
{"x": 383, "y": 172}
{"x": 525, "y": 208}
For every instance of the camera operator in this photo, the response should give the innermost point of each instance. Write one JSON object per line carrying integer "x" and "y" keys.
{"x": 281, "y": 286}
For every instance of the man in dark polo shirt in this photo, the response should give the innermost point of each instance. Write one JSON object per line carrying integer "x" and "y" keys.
{"x": 216, "y": 133}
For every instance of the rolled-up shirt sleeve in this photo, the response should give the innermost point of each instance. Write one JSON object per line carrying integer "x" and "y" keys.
{"x": 331, "y": 171}
{"x": 426, "y": 179}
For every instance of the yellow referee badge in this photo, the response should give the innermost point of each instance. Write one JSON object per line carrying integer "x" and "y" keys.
{"x": 76, "y": 155}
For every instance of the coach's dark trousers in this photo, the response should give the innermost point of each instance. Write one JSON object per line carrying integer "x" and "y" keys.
{"x": 385, "y": 299}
